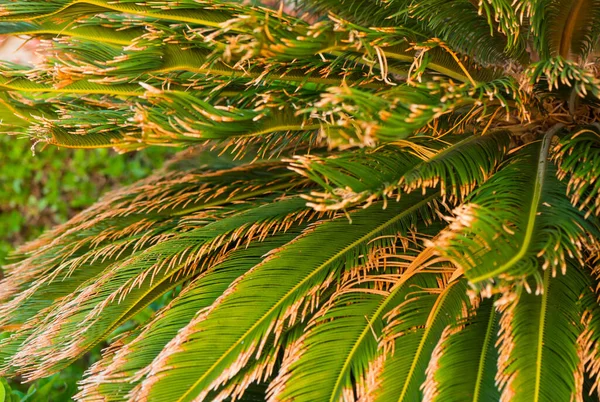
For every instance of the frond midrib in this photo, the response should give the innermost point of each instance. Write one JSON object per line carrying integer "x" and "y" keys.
{"x": 305, "y": 280}
{"x": 485, "y": 348}
{"x": 115, "y": 6}
{"x": 368, "y": 328}
{"x": 567, "y": 34}
{"x": 533, "y": 209}
{"x": 541, "y": 332}
{"x": 435, "y": 310}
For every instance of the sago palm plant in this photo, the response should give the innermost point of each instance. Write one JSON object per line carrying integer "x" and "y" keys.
{"x": 379, "y": 201}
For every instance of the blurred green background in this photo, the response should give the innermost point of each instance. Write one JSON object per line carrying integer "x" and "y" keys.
{"x": 39, "y": 191}
{"x": 42, "y": 190}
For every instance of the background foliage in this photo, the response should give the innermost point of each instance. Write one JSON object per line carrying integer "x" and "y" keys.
{"x": 38, "y": 191}
{"x": 42, "y": 189}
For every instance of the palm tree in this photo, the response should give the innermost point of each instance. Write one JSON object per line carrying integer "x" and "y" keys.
{"x": 383, "y": 201}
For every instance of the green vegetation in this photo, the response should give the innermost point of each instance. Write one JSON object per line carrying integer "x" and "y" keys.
{"x": 384, "y": 201}
{"x": 41, "y": 190}
{"x": 38, "y": 191}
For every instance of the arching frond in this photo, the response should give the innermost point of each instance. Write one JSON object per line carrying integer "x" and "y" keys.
{"x": 268, "y": 313}
{"x": 111, "y": 29}
{"x": 556, "y": 72}
{"x": 578, "y": 161}
{"x": 538, "y": 341}
{"x": 203, "y": 13}
{"x": 468, "y": 348}
{"x": 132, "y": 274}
{"x": 290, "y": 255}
{"x": 455, "y": 164}
{"x": 502, "y": 16}
{"x": 503, "y": 235}
{"x": 411, "y": 333}
{"x": 564, "y": 28}
{"x": 469, "y": 33}
{"x": 353, "y": 319}
{"x": 113, "y": 377}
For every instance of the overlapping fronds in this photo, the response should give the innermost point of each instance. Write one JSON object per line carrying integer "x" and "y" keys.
{"x": 147, "y": 213}
{"x": 147, "y": 250}
{"x": 578, "y": 160}
{"x": 412, "y": 329}
{"x": 564, "y": 28}
{"x": 185, "y": 77}
{"x": 132, "y": 280}
{"x": 514, "y": 233}
{"x": 382, "y": 200}
{"x": 468, "y": 346}
{"x": 470, "y": 34}
{"x": 557, "y": 72}
{"x": 455, "y": 164}
{"x": 398, "y": 113}
{"x": 289, "y": 299}
{"x": 538, "y": 334}
{"x": 353, "y": 319}
{"x": 113, "y": 377}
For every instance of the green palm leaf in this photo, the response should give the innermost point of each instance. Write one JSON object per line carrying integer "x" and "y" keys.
{"x": 410, "y": 332}
{"x": 288, "y": 253}
{"x": 468, "y": 34}
{"x": 184, "y": 12}
{"x": 95, "y": 29}
{"x": 564, "y": 27}
{"x": 124, "y": 368}
{"x": 530, "y": 222}
{"x": 538, "y": 334}
{"x": 277, "y": 304}
{"x": 578, "y": 162}
{"x": 468, "y": 348}
{"x": 455, "y": 164}
{"x": 353, "y": 321}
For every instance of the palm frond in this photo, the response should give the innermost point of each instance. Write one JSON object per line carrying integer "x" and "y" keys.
{"x": 469, "y": 33}
{"x": 538, "y": 341}
{"x": 454, "y": 164}
{"x": 504, "y": 235}
{"x": 468, "y": 348}
{"x": 113, "y": 377}
{"x": 556, "y": 72}
{"x": 290, "y": 254}
{"x": 203, "y": 13}
{"x": 578, "y": 158}
{"x": 223, "y": 351}
{"x": 564, "y": 28}
{"x": 353, "y": 320}
{"x": 134, "y": 267}
{"x": 411, "y": 330}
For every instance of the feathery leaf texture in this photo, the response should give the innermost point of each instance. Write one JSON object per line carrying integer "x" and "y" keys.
{"x": 376, "y": 201}
{"x": 513, "y": 233}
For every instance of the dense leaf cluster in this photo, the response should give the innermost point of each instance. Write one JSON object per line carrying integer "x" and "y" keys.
{"x": 404, "y": 206}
